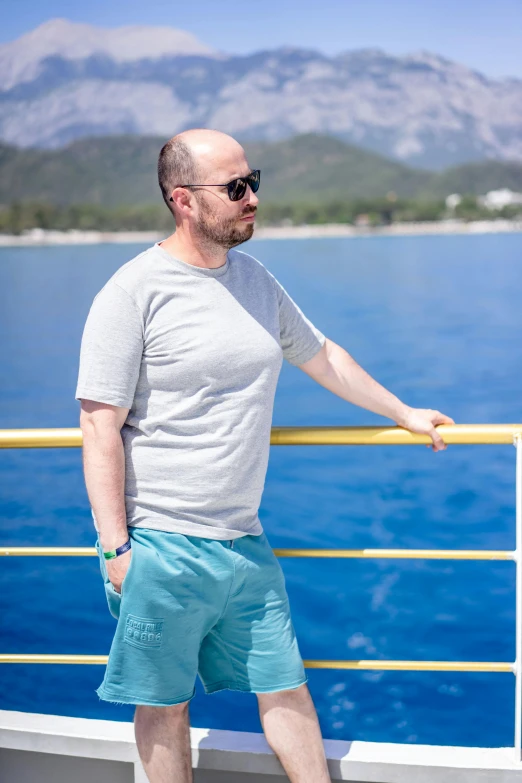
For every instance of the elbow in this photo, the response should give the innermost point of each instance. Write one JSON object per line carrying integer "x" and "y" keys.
{"x": 87, "y": 423}
{"x": 98, "y": 420}
{"x": 320, "y": 366}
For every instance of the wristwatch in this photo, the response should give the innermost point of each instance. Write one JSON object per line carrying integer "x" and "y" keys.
{"x": 112, "y": 553}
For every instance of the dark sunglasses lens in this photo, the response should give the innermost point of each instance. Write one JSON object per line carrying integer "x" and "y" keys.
{"x": 236, "y": 189}
{"x": 254, "y": 179}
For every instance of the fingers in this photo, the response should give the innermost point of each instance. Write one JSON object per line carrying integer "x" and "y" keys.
{"x": 441, "y": 418}
{"x": 437, "y": 418}
{"x": 438, "y": 443}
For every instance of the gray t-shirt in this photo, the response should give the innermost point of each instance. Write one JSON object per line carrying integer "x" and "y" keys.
{"x": 195, "y": 355}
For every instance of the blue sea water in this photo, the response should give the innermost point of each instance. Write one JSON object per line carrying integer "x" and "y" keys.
{"x": 437, "y": 320}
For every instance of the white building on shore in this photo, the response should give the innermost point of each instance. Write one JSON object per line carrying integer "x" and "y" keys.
{"x": 498, "y": 199}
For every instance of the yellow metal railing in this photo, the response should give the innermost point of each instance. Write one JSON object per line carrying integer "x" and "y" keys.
{"x": 418, "y": 666}
{"x": 403, "y": 554}
{"x": 470, "y": 434}
{"x": 476, "y": 434}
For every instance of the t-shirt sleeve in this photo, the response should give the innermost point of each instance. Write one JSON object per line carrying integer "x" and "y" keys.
{"x": 300, "y": 339}
{"x": 111, "y": 350}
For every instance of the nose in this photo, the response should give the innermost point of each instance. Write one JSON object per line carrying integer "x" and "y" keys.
{"x": 252, "y": 197}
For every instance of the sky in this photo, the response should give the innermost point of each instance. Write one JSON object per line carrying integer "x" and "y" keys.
{"x": 485, "y": 35}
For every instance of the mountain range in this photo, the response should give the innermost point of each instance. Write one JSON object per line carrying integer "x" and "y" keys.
{"x": 64, "y": 81}
{"x": 117, "y": 170}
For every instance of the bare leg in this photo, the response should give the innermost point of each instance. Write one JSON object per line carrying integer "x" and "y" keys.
{"x": 163, "y": 740}
{"x": 292, "y": 730}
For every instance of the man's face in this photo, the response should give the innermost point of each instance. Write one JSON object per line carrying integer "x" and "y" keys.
{"x": 226, "y": 227}
{"x": 219, "y": 220}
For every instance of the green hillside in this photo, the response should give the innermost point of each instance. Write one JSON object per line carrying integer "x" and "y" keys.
{"x": 107, "y": 170}
{"x": 309, "y": 169}
{"x": 477, "y": 178}
{"x": 313, "y": 168}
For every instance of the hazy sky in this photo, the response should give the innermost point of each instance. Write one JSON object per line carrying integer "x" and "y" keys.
{"x": 484, "y": 34}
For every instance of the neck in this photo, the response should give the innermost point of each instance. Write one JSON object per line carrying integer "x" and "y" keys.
{"x": 193, "y": 251}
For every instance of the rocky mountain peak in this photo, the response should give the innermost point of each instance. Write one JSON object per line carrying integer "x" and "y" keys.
{"x": 64, "y": 81}
{"x": 21, "y": 60}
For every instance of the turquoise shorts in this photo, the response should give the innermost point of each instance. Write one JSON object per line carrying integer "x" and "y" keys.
{"x": 191, "y": 605}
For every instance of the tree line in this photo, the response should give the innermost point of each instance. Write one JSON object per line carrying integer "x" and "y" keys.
{"x": 17, "y": 217}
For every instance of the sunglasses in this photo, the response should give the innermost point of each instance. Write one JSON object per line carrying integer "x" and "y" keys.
{"x": 236, "y": 188}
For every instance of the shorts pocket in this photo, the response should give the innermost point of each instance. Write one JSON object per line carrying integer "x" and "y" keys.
{"x": 112, "y": 595}
{"x": 113, "y": 599}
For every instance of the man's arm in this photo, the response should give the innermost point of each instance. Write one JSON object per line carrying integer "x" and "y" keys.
{"x": 336, "y": 370}
{"x": 104, "y": 470}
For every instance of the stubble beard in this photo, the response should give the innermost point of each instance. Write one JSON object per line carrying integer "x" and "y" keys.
{"x": 215, "y": 231}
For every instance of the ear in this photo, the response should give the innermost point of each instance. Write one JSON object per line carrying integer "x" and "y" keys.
{"x": 181, "y": 199}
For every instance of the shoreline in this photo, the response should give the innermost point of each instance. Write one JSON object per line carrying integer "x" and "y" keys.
{"x": 38, "y": 237}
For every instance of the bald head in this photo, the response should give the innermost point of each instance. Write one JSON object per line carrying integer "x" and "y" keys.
{"x": 191, "y": 156}
{"x": 209, "y": 148}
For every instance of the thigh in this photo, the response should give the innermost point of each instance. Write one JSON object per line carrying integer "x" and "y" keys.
{"x": 253, "y": 647}
{"x": 169, "y": 600}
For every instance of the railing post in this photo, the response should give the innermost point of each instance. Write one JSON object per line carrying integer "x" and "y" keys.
{"x": 518, "y": 602}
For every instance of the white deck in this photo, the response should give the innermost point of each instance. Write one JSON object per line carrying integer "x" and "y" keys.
{"x": 38, "y": 748}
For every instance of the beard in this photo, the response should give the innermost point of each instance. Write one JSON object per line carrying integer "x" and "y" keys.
{"x": 214, "y": 230}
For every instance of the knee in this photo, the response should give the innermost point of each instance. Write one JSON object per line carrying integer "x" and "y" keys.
{"x": 174, "y": 713}
{"x": 292, "y": 697}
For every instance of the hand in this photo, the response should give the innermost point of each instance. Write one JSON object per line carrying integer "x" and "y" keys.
{"x": 423, "y": 422}
{"x": 117, "y": 568}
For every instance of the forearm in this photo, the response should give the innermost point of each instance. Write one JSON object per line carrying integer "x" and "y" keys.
{"x": 104, "y": 470}
{"x": 340, "y": 374}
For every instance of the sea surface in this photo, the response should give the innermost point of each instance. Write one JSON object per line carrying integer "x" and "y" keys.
{"x": 438, "y": 321}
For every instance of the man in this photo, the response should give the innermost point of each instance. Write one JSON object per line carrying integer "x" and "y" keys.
{"x": 179, "y": 363}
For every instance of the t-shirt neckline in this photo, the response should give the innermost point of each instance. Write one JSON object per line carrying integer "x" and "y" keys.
{"x": 197, "y": 271}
